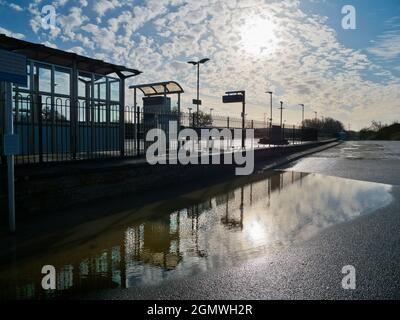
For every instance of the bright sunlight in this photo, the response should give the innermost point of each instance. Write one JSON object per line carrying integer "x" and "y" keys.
{"x": 258, "y": 36}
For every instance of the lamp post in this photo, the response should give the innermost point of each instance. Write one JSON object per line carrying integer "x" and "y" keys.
{"x": 190, "y": 114}
{"x": 270, "y": 93}
{"x": 316, "y": 115}
{"x": 281, "y": 108}
{"x": 282, "y": 129}
{"x": 211, "y": 110}
{"x": 302, "y": 114}
{"x": 198, "y": 63}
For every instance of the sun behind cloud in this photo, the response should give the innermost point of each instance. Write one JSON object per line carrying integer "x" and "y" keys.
{"x": 258, "y": 36}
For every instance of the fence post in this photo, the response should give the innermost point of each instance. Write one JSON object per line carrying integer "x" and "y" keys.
{"x": 137, "y": 111}
{"x": 122, "y": 118}
{"x": 2, "y": 121}
{"x": 302, "y": 133}
{"x": 122, "y": 131}
{"x": 294, "y": 134}
{"x": 40, "y": 128}
{"x": 74, "y": 111}
{"x": 73, "y": 126}
{"x": 133, "y": 135}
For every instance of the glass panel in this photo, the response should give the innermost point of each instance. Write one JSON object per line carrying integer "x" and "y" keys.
{"x": 62, "y": 106}
{"x": 114, "y": 90}
{"x": 46, "y": 108}
{"x": 28, "y": 72}
{"x": 172, "y": 87}
{"x": 82, "y": 111}
{"x": 22, "y": 107}
{"x": 148, "y": 90}
{"x": 100, "y": 112}
{"x": 159, "y": 89}
{"x": 62, "y": 79}
{"x": 44, "y": 79}
{"x": 114, "y": 113}
{"x": 100, "y": 86}
{"x": 84, "y": 85}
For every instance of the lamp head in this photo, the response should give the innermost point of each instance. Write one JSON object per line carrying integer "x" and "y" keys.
{"x": 204, "y": 60}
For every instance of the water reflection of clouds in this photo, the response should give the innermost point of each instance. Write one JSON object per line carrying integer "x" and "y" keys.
{"x": 252, "y": 219}
{"x": 299, "y": 213}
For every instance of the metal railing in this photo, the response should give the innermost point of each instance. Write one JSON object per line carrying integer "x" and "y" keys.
{"x": 53, "y": 129}
{"x": 63, "y": 131}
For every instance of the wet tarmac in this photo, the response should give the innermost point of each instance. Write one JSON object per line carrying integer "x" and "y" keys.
{"x": 375, "y": 161}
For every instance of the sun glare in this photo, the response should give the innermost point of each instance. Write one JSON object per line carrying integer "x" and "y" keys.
{"x": 256, "y": 231}
{"x": 258, "y": 36}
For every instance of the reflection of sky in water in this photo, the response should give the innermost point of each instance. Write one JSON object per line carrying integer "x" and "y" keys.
{"x": 220, "y": 230}
{"x": 297, "y": 209}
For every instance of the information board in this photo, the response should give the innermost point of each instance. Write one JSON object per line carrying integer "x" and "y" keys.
{"x": 13, "y": 68}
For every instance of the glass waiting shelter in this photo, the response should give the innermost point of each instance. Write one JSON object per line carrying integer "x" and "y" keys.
{"x": 72, "y": 107}
{"x": 157, "y": 112}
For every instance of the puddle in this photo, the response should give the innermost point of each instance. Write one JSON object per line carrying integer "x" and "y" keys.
{"x": 223, "y": 228}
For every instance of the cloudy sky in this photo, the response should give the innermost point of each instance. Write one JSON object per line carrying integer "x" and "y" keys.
{"x": 298, "y": 49}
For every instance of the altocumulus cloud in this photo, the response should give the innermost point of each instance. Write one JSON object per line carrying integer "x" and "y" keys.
{"x": 253, "y": 45}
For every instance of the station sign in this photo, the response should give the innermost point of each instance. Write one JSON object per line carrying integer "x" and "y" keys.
{"x": 197, "y": 102}
{"x": 13, "y": 68}
{"x": 233, "y": 98}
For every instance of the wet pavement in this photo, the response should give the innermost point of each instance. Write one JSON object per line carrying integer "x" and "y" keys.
{"x": 279, "y": 235}
{"x": 375, "y": 161}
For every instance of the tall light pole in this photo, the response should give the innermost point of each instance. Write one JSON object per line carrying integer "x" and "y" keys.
{"x": 198, "y": 63}
{"x": 190, "y": 114}
{"x": 281, "y": 108}
{"x": 302, "y": 114}
{"x": 282, "y": 130}
{"x": 316, "y": 115}
{"x": 270, "y": 93}
{"x": 211, "y": 110}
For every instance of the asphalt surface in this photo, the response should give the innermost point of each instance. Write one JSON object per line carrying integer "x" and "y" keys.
{"x": 313, "y": 269}
{"x": 376, "y": 161}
